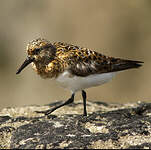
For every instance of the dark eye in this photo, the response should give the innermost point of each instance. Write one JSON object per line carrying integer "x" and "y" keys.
{"x": 36, "y": 50}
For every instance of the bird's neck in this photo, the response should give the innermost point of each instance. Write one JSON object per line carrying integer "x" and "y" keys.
{"x": 47, "y": 68}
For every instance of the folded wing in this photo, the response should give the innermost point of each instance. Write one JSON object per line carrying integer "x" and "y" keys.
{"x": 96, "y": 63}
{"x": 84, "y": 62}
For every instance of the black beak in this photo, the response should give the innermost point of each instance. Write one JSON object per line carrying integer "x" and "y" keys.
{"x": 25, "y": 63}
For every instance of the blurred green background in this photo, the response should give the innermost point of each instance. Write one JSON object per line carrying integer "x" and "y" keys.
{"x": 116, "y": 28}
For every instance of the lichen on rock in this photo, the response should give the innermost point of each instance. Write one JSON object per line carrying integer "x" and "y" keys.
{"x": 106, "y": 126}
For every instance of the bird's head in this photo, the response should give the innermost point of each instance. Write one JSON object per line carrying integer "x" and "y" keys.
{"x": 39, "y": 50}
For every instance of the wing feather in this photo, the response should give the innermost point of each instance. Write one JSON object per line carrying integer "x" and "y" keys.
{"x": 84, "y": 62}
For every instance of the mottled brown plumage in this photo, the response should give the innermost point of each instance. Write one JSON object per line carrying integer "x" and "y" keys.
{"x": 83, "y": 61}
{"x": 53, "y": 59}
{"x": 74, "y": 67}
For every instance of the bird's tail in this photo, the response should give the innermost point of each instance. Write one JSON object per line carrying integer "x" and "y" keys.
{"x": 127, "y": 64}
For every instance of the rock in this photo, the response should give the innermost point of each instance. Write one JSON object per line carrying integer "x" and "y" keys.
{"x": 106, "y": 126}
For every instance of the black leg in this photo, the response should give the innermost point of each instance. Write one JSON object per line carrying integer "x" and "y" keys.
{"x": 47, "y": 112}
{"x": 84, "y": 102}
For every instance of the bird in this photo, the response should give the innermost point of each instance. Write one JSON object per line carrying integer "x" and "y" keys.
{"x": 75, "y": 68}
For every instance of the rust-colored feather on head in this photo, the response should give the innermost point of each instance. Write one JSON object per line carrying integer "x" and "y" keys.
{"x": 40, "y": 52}
{"x": 41, "y": 47}
{"x": 35, "y": 44}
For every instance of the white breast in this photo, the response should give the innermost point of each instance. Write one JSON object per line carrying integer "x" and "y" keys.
{"x": 77, "y": 83}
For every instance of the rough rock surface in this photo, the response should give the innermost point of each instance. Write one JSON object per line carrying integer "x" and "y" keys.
{"x": 106, "y": 126}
